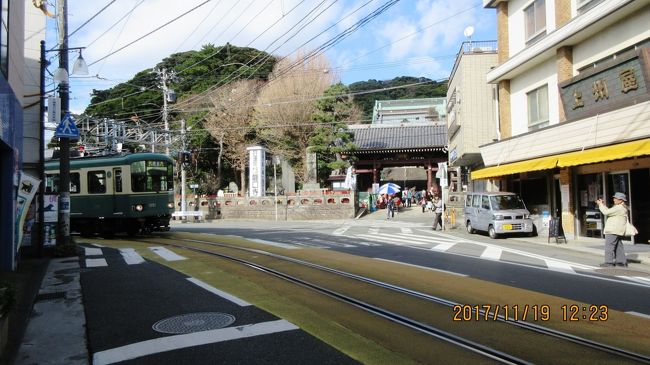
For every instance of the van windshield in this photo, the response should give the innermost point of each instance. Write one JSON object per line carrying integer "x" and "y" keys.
{"x": 505, "y": 202}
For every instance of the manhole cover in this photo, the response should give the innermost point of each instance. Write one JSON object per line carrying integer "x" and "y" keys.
{"x": 193, "y": 322}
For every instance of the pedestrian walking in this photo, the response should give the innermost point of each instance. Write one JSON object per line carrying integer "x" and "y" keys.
{"x": 437, "y": 209}
{"x": 614, "y": 230}
{"x": 409, "y": 197}
{"x": 390, "y": 207}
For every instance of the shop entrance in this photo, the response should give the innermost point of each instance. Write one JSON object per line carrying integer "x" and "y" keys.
{"x": 640, "y": 203}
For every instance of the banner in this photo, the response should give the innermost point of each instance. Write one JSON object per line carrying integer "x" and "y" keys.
{"x": 27, "y": 188}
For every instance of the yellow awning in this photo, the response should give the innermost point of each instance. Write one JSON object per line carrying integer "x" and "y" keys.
{"x": 607, "y": 153}
{"x": 599, "y": 154}
{"x": 543, "y": 163}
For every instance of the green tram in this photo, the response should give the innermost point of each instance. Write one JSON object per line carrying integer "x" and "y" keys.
{"x": 129, "y": 193}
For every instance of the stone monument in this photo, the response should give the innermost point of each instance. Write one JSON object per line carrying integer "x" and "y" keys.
{"x": 312, "y": 172}
{"x": 256, "y": 171}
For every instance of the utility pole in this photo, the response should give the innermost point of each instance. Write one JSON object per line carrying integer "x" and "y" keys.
{"x": 164, "y": 77}
{"x": 183, "y": 167}
{"x": 64, "y": 142}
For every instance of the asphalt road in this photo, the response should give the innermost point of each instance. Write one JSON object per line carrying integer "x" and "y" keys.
{"x": 572, "y": 275}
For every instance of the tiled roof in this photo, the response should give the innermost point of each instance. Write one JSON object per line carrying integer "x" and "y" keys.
{"x": 401, "y": 137}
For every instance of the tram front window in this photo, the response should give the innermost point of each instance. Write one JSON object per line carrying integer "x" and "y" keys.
{"x": 151, "y": 176}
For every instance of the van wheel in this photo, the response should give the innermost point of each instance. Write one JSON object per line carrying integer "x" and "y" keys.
{"x": 492, "y": 232}
{"x": 470, "y": 229}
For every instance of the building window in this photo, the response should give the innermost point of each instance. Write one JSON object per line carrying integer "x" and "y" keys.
{"x": 535, "y": 15}
{"x": 4, "y": 37}
{"x": 538, "y": 108}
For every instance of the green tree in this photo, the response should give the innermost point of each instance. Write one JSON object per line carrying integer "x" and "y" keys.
{"x": 332, "y": 139}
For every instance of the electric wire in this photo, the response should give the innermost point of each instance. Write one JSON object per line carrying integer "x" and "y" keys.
{"x": 91, "y": 18}
{"x": 128, "y": 13}
{"x": 151, "y": 32}
{"x": 327, "y": 45}
{"x": 197, "y": 27}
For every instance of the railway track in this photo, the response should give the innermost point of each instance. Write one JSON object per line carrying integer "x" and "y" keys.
{"x": 500, "y": 339}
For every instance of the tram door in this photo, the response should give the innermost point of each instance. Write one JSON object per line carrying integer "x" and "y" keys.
{"x": 117, "y": 188}
{"x": 619, "y": 182}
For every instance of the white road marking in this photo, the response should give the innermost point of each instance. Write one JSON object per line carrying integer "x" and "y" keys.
{"x": 373, "y": 230}
{"x": 169, "y": 343}
{"x": 638, "y": 279}
{"x": 130, "y": 256}
{"x": 166, "y": 254}
{"x": 422, "y": 267}
{"x": 521, "y": 253}
{"x": 492, "y": 253}
{"x": 341, "y": 231}
{"x": 559, "y": 266}
{"x": 406, "y": 230}
{"x": 444, "y": 246}
{"x": 272, "y": 243}
{"x": 409, "y": 239}
{"x": 96, "y": 262}
{"x": 223, "y": 294}
{"x": 91, "y": 251}
{"x": 388, "y": 239}
{"x": 639, "y": 314}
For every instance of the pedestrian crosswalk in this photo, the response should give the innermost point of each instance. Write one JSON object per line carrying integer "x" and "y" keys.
{"x": 96, "y": 257}
{"x": 346, "y": 238}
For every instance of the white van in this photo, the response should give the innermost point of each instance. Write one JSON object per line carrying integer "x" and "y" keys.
{"x": 497, "y": 213}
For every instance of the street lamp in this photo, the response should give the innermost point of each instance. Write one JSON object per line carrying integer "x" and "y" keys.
{"x": 61, "y": 76}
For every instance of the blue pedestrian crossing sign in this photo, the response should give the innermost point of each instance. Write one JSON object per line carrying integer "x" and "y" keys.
{"x": 67, "y": 128}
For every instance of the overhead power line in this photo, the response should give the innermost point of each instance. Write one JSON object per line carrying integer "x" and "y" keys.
{"x": 91, "y": 18}
{"x": 128, "y": 13}
{"x": 153, "y": 31}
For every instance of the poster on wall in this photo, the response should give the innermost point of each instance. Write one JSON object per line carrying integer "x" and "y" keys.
{"x": 27, "y": 187}
{"x": 51, "y": 208}
{"x": 50, "y": 218}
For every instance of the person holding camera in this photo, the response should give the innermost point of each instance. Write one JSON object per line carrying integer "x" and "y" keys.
{"x": 614, "y": 230}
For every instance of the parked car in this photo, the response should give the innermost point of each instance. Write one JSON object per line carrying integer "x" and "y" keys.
{"x": 497, "y": 213}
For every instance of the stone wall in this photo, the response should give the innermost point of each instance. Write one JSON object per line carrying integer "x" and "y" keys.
{"x": 299, "y": 207}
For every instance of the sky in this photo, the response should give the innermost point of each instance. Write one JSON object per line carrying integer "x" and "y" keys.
{"x": 411, "y": 38}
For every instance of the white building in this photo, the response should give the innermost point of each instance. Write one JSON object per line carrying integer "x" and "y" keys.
{"x": 574, "y": 107}
{"x": 471, "y": 112}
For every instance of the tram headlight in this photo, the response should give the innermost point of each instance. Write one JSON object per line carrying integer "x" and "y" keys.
{"x": 138, "y": 207}
{"x": 170, "y": 205}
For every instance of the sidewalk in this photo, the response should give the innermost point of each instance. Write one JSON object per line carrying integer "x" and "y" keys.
{"x": 56, "y": 331}
{"x": 636, "y": 253}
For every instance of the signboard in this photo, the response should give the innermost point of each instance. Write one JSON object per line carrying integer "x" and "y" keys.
{"x": 53, "y": 110}
{"x": 611, "y": 85}
{"x": 257, "y": 171}
{"x": 194, "y": 186}
{"x": 67, "y": 128}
